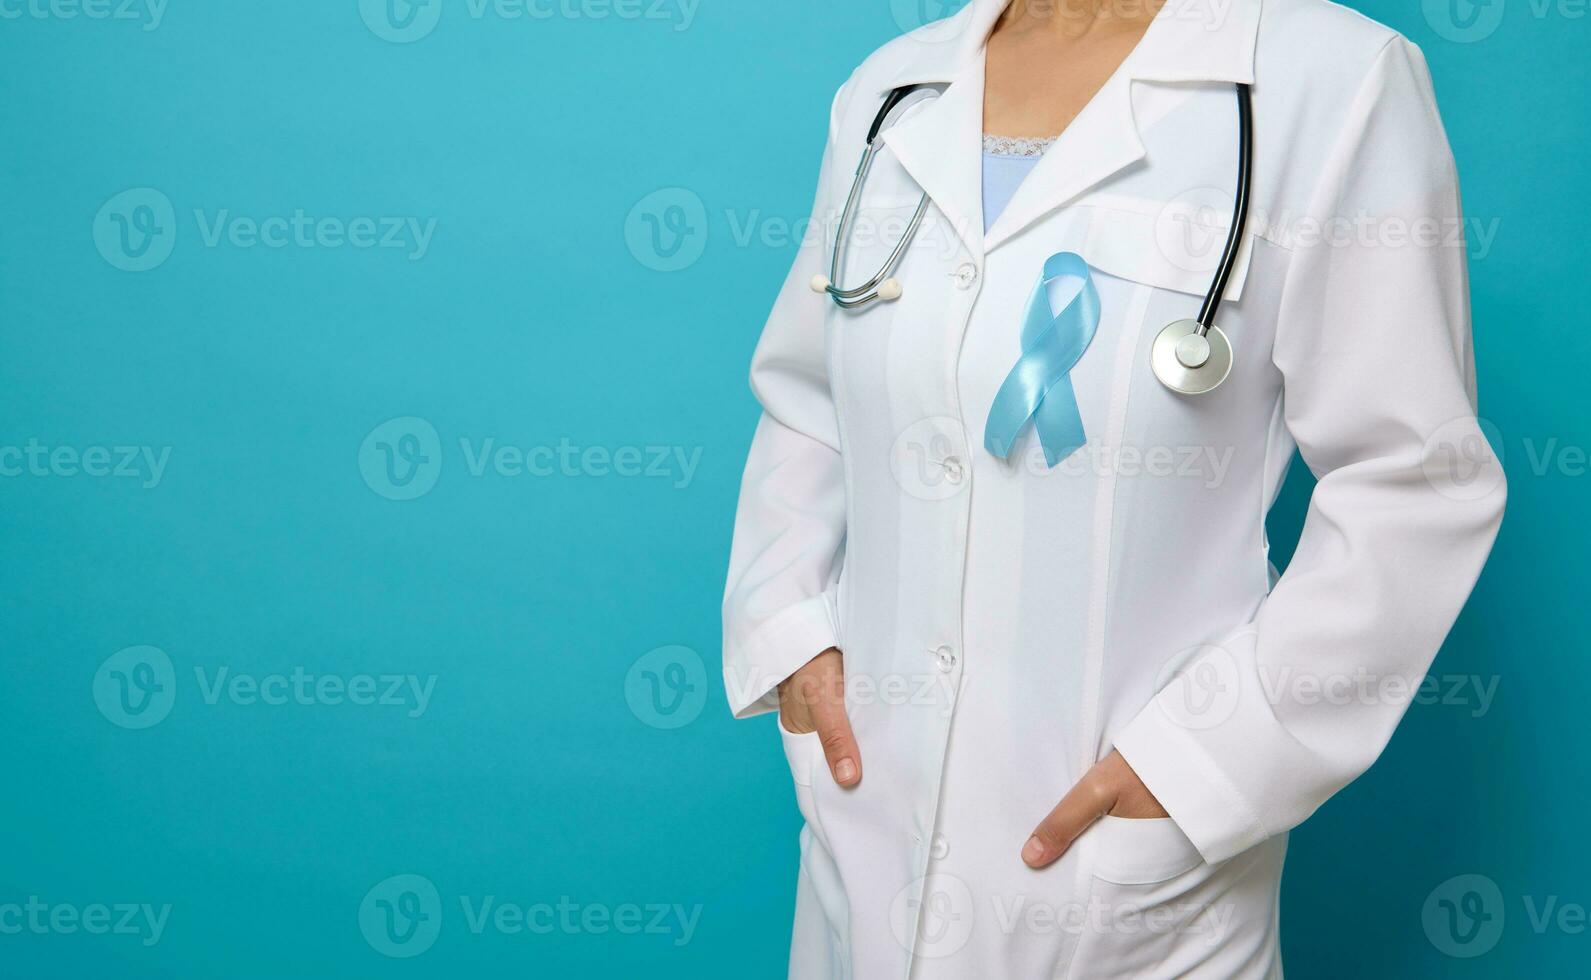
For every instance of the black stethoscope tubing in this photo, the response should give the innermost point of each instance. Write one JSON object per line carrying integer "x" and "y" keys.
{"x": 1234, "y": 238}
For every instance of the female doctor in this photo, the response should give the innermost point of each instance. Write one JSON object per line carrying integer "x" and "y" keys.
{"x": 1000, "y": 561}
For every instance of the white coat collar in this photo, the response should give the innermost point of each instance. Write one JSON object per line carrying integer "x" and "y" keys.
{"x": 940, "y": 143}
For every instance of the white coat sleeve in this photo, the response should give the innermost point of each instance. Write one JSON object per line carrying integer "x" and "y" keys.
{"x": 1373, "y": 342}
{"x": 779, "y": 604}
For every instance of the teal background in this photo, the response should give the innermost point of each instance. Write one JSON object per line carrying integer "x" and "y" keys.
{"x": 541, "y": 767}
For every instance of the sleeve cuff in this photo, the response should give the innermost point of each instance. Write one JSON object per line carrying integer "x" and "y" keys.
{"x": 755, "y": 667}
{"x": 1199, "y": 797}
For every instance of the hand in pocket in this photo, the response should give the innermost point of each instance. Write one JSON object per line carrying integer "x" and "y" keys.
{"x": 813, "y": 700}
{"x": 1110, "y": 787}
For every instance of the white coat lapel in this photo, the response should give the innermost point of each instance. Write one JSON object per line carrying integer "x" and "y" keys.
{"x": 940, "y": 146}
{"x": 1188, "y": 41}
{"x": 939, "y": 143}
{"x": 1099, "y": 142}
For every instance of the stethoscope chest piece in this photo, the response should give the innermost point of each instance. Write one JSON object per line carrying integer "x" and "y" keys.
{"x": 1189, "y": 359}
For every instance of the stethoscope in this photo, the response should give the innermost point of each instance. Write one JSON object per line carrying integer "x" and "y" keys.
{"x": 1189, "y": 357}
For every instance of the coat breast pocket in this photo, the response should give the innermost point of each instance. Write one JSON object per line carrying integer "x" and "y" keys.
{"x": 1161, "y": 258}
{"x": 1175, "y": 245}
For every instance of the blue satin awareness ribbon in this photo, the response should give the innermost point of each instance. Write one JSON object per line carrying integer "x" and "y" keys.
{"x": 1039, "y": 387}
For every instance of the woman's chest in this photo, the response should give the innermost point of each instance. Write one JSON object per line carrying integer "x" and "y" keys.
{"x": 966, "y": 327}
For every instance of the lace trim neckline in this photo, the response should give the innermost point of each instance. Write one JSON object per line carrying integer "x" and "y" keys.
{"x": 1017, "y": 146}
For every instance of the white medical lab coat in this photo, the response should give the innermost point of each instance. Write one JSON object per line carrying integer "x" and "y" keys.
{"x": 1004, "y": 624}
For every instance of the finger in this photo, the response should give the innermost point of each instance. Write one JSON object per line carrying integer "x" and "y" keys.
{"x": 834, "y": 728}
{"x": 1089, "y": 800}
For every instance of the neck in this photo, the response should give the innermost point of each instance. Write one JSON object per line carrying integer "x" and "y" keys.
{"x": 1075, "y": 18}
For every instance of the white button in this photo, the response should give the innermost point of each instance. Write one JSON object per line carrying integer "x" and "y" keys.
{"x": 941, "y": 848}
{"x": 954, "y": 470}
{"x": 966, "y": 274}
{"x": 946, "y": 657}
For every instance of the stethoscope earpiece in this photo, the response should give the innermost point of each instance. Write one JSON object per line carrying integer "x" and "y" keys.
{"x": 889, "y": 290}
